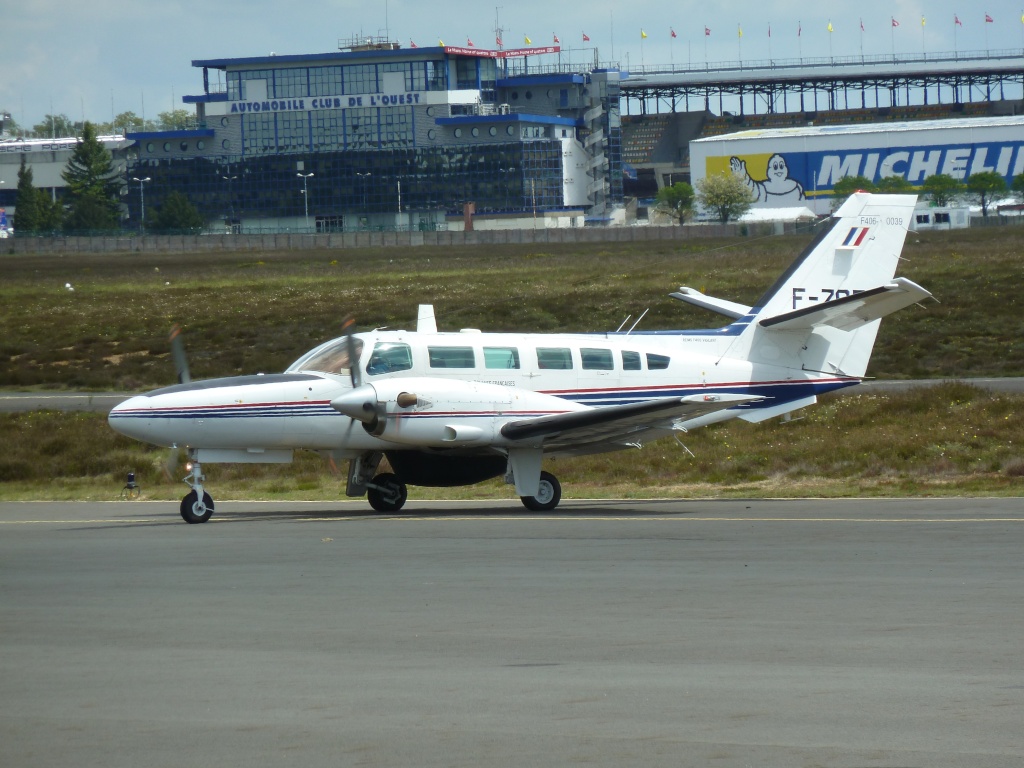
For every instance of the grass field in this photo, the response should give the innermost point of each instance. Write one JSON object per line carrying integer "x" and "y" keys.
{"x": 245, "y": 313}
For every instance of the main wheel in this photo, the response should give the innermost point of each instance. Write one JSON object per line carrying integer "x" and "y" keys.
{"x": 195, "y": 511}
{"x": 548, "y": 496}
{"x": 389, "y": 495}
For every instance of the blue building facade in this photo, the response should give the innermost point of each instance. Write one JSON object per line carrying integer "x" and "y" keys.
{"x": 379, "y": 136}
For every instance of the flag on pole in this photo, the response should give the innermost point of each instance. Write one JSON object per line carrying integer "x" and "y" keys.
{"x": 769, "y": 29}
{"x": 498, "y": 41}
{"x": 830, "y": 27}
{"x": 988, "y": 19}
{"x": 957, "y": 22}
{"x": 862, "y": 25}
{"x": 707, "y": 32}
{"x": 799, "y": 29}
{"x": 894, "y": 22}
{"x": 586, "y": 38}
{"x": 739, "y": 31}
{"x": 412, "y": 43}
{"x": 643, "y": 35}
{"x": 527, "y": 40}
{"x": 922, "y": 21}
{"x": 469, "y": 43}
{"x": 556, "y": 40}
{"x": 440, "y": 42}
{"x": 672, "y": 32}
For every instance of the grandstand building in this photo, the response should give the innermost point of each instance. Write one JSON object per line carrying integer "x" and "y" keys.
{"x": 678, "y": 107}
{"x": 376, "y": 136}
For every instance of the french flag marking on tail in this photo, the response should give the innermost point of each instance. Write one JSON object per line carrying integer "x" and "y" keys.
{"x": 856, "y": 236}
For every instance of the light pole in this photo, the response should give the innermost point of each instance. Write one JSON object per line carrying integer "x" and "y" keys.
{"x": 231, "y": 200}
{"x": 305, "y": 193}
{"x": 364, "y": 182}
{"x": 142, "y": 200}
{"x": 507, "y": 179}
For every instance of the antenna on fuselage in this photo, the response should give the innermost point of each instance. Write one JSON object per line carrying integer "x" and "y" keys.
{"x": 634, "y": 325}
{"x": 623, "y": 323}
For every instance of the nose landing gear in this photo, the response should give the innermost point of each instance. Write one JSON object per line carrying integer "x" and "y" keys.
{"x": 197, "y": 506}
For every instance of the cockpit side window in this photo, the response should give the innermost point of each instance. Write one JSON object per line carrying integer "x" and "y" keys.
{"x": 388, "y": 357}
{"x": 333, "y": 359}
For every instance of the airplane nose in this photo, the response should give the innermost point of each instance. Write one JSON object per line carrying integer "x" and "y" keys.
{"x": 130, "y": 418}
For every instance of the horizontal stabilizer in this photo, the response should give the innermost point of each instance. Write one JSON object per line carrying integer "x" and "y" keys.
{"x": 853, "y": 311}
{"x": 721, "y": 306}
{"x": 610, "y": 422}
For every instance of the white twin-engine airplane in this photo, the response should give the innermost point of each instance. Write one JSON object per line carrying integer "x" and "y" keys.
{"x": 458, "y": 408}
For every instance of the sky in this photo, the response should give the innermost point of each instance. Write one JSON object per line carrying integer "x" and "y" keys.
{"x": 104, "y": 57}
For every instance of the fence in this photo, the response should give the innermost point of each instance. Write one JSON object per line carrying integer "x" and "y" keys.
{"x": 396, "y": 239}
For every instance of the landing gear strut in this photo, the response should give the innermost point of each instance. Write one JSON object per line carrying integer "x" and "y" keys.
{"x": 197, "y": 506}
{"x": 548, "y": 496}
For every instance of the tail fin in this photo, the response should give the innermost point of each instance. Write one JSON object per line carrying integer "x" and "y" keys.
{"x": 823, "y": 313}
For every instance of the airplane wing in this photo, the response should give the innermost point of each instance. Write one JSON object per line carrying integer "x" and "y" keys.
{"x": 617, "y": 422}
{"x": 851, "y": 312}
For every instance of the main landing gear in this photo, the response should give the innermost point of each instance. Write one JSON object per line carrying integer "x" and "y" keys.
{"x": 197, "y": 506}
{"x": 386, "y": 493}
{"x": 547, "y": 497}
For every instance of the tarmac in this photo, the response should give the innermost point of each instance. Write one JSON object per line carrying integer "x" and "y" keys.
{"x": 846, "y": 633}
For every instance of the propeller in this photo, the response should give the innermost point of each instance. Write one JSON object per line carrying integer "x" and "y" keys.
{"x": 349, "y": 329}
{"x": 184, "y": 377}
{"x": 178, "y": 355}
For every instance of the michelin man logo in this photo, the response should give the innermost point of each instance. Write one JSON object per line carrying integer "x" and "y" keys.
{"x": 777, "y": 186}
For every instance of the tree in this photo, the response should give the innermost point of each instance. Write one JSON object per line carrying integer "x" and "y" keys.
{"x": 726, "y": 194}
{"x": 985, "y": 185}
{"x": 847, "y": 185}
{"x": 92, "y": 185}
{"x": 942, "y": 188}
{"x": 1017, "y": 185}
{"x": 176, "y": 214}
{"x": 27, "y": 202}
{"x": 54, "y": 127}
{"x": 176, "y": 120}
{"x": 677, "y": 199}
{"x": 127, "y": 122}
{"x": 894, "y": 185}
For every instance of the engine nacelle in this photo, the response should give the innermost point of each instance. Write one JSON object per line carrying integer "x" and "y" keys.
{"x": 432, "y": 412}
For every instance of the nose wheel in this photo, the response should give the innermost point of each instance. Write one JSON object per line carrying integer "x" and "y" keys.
{"x": 195, "y": 511}
{"x": 197, "y": 506}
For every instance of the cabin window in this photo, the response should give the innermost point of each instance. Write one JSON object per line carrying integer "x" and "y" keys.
{"x": 554, "y": 358}
{"x": 597, "y": 359}
{"x": 630, "y": 361}
{"x": 501, "y": 357}
{"x": 333, "y": 359}
{"x": 922, "y": 218}
{"x": 657, "y": 362}
{"x": 388, "y": 357}
{"x": 451, "y": 357}
{"x": 942, "y": 218}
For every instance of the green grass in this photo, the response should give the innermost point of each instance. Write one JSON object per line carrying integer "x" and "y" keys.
{"x": 246, "y": 312}
{"x": 949, "y": 440}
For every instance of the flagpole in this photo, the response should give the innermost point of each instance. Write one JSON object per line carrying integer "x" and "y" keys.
{"x": 739, "y": 42}
{"x": 923, "y": 53}
{"x": 800, "y": 40}
{"x": 956, "y": 48}
{"x": 769, "y": 43}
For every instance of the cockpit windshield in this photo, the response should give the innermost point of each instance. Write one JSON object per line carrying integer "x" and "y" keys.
{"x": 331, "y": 359}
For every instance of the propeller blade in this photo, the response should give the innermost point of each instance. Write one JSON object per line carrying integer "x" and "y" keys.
{"x": 178, "y": 355}
{"x": 349, "y": 328}
{"x": 171, "y": 462}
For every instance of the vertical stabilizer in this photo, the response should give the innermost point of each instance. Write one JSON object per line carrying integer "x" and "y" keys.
{"x": 809, "y": 319}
